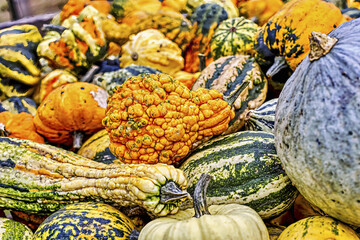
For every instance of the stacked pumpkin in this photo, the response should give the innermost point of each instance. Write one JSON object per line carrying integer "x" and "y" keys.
{"x": 144, "y": 119}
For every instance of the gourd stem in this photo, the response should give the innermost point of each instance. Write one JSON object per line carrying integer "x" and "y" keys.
{"x": 200, "y": 205}
{"x": 279, "y": 63}
{"x": 170, "y": 192}
{"x": 78, "y": 137}
{"x": 3, "y": 131}
{"x": 202, "y": 59}
{"x": 320, "y": 45}
{"x": 89, "y": 75}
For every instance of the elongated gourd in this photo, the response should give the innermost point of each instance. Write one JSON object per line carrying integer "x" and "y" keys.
{"x": 39, "y": 178}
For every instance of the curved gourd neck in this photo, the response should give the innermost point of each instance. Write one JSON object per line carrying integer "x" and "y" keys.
{"x": 200, "y": 205}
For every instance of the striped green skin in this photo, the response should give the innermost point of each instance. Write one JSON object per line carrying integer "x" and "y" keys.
{"x": 13, "y": 230}
{"x": 18, "y": 105}
{"x": 245, "y": 170}
{"x": 262, "y": 118}
{"x": 109, "y": 80}
{"x": 18, "y": 59}
{"x": 11, "y": 88}
{"x": 97, "y": 149}
{"x": 234, "y": 36}
{"x": 87, "y": 220}
{"x": 240, "y": 80}
{"x": 40, "y": 179}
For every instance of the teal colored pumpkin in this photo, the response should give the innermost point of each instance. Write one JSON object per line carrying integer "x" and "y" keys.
{"x": 13, "y": 230}
{"x": 317, "y": 123}
{"x": 86, "y": 220}
{"x": 234, "y": 36}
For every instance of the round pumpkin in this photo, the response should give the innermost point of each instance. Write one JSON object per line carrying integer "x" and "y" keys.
{"x": 231, "y": 221}
{"x": 318, "y": 227}
{"x": 317, "y": 126}
{"x": 74, "y": 107}
{"x": 85, "y": 220}
{"x": 151, "y": 48}
{"x": 10, "y": 229}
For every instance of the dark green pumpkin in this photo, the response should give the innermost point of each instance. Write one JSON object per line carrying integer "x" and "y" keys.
{"x": 18, "y": 104}
{"x": 12, "y": 88}
{"x": 317, "y": 126}
{"x": 241, "y": 82}
{"x": 109, "y": 80}
{"x": 234, "y": 36}
{"x": 97, "y": 148}
{"x": 87, "y": 220}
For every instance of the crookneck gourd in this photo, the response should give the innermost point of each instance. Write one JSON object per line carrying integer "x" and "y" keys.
{"x": 69, "y": 110}
{"x": 76, "y": 43}
{"x": 241, "y": 81}
{"x": 317, "y": 128}
{"x": 39, "y": 178}
{"x": 287, "y": 33}
{"x": 155, "y": 118}
{"x": 151, "y": 48}
{"x": 229, "y": 221}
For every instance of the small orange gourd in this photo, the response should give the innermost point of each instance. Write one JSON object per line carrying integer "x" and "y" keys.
{"x": 71, "y": 108}
{"x": 19, "y": 125}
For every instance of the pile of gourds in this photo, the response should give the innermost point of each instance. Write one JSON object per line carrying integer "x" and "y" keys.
{"x": 182, "y": 119}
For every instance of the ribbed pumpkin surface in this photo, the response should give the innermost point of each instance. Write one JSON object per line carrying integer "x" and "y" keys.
{"x": 245, "y": 170}
{"x": 262, "y": 118}
{"x": 88, "y": 220}
{"x": 234, "y": 36}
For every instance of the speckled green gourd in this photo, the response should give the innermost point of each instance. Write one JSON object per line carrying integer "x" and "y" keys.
{"x": 245, "y": 169}
{"x": 39, "y": 178}
{"x": 13, "y": 230}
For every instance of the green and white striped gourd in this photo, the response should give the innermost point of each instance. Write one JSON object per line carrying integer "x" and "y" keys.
{"x": 262, "y": 118}
{"x": 13, "y": 230}
{"x": 240, "y": 80}
{"x": 41, "y": 179}
{"x": 234, "y": 36}
{"x": 245, "y": 169}
{"x": 85, "y": 220}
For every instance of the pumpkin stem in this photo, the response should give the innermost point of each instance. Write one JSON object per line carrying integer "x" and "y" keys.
{"x": 170, "y": 192}
{"x": 279, "y": 63}
{"x": 320, "y": 45}
{"x": 202, "y": 64}
{"x": 200, "y": 205}
{"x": 3, "y": 131}
{"x": 78, "y": 137}
{"x": 90, "y": 74}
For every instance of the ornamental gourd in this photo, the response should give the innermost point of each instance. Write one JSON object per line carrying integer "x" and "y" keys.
{"x": 205, "y": 20}
{"x": 76, "y": 44}
{"x": 10, "y": 229}
{"x": 155, "y": 118}
{"x": 317, "y": 126}
{"x": 18, "y": 104}
{"x": 234, "y": 36}
{"x": 229, "y": 221}
{"x": 318, "y": 227}
{"x": 69, "y": 110}
{"x": 86, "y": 220}
{"x": 228, "y": 5}
{"x": 19, "y": 125}
{"x": 151, "y": 48}
{"x": 74, "y": 7}
{"x": 40, "y": 179}
{"x": 241, "y": 81}
{"x": 286, "y": 34}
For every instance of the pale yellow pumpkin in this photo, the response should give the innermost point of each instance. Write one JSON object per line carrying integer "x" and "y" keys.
{"x": 151, "y": 48}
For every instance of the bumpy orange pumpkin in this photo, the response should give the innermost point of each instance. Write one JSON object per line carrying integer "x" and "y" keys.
{"x": 19, "y": 125}
{"x": 78, "y": 106}
{"x": 155, "y": 118}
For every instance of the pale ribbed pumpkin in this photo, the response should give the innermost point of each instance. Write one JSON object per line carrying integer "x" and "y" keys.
{"x": 151, "y": 48}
